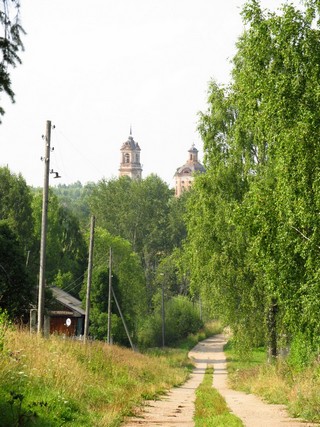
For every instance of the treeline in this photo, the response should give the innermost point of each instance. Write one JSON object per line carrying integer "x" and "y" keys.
{"x": 143, "y": 224}
{"x": 20, "y": 231}
{"x": 254, "y": 217}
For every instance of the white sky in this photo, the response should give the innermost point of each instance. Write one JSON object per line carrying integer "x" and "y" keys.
{"x": 95, "y": 67}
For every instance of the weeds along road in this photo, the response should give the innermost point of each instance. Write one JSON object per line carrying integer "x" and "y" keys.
{"x": 177, "y": 407}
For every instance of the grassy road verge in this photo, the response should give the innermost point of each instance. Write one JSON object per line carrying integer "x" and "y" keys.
{"x": 211, "y": 408}
{"x": 277, "y": 382}
{"x": 55, "y": 382}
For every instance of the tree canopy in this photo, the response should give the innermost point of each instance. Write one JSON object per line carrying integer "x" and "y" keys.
{"x": 10, "y": 44}
{"x": 128, "y": 283}
{"x": 16, "y": 205}
{"x": 253, "y": 226}
{"x": 16, "y": 287}
{"x": 66, "y": 246}
{"x": 138, "y": 211}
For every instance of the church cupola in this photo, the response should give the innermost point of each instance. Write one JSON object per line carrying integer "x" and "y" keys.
{"x": 184, "y": 175}
{"x": 193, "y": 154}
{"x": 130, "y": 159}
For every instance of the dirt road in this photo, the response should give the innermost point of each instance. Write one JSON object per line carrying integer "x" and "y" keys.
{"x": 177, "y": 407}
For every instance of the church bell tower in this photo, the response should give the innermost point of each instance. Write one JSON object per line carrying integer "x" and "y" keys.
{"x": 130, "y": 159}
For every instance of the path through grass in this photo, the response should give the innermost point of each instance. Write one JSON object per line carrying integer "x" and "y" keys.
{"x": 54, "y": 382}
{"x": 211, "y": 408}
{"x": 278, "y": 382}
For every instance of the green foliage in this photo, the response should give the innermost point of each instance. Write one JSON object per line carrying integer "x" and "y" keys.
{"x": 176, "y": 219}
{"x": 66, "y": 258}
{"x": 303, "y": 352}
{"x": 128, "y": 283}
{"x": 15, "y": 284}
{"x": 63, "y": 280}
{"x": 10, "y": 43}
{"x": 16, "y": 206}
{"x": 149, "y": 334}
{"x": 253, "y": 218}
{"x": 75, "y": 197}
{"x": 138, "y": 211}
{"x": 181, "y": 320}
{"x": 5, "y": 323}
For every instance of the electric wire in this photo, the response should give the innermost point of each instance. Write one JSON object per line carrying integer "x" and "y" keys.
{"x": 83, "y": 156}
{"x": 70, "y": 286}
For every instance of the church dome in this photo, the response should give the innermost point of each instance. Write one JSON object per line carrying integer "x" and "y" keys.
{"x": 192, "y": 165}
{"x": 184, "y": 175}
{"x": 130, "y": 144}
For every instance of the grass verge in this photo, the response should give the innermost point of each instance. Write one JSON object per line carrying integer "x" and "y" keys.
{"x": 55, "y": 382}
{"x": 59, "y": 382}
{"x": 277, "y": 382}
{"x": 211, "y": 408}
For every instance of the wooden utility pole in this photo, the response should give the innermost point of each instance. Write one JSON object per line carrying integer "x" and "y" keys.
{"x": 86, "y": 320}
{"x": 163, "y": 314}
{"x": 42, "y": 271}
{"x": 109, "y": 298}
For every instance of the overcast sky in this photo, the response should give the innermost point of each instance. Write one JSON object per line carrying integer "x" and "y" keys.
{"x": 96, "y": 67}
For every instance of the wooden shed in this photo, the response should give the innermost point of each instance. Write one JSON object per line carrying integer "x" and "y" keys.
{"x": 66, "y": 316}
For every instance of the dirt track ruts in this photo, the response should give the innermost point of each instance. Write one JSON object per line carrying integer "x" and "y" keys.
{"x": 176, "y": 408}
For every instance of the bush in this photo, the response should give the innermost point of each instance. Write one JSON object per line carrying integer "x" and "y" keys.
{"x": 302, "y": 351}
{"x": 181, "y": 319}
{"x": 150, "y": 332}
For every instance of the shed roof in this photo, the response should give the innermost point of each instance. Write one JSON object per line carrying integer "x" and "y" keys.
{"x": 68, "y": 300}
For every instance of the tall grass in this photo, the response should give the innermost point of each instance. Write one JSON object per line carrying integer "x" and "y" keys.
{"x": 277, "y": 382}
{"x": 54, "y": 382}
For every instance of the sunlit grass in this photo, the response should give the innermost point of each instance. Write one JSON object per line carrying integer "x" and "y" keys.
{"x": 210, "y": 407}
{"x": 277, "y": 382}
{"x": 54, "y": 381}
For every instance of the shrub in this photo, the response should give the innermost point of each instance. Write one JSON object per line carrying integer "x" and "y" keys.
{"x": 302, "y": 352}
{"x": 181, "y": 319}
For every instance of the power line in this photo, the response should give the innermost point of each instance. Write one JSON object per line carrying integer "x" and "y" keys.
{"x": 82, "y": 156}
{"x": 70, "y": 286}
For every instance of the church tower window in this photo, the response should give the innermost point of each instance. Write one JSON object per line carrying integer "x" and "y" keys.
{"x": 130, "y": 159}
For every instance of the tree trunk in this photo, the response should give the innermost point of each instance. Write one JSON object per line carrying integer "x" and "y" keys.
{"x": 272, "y": 329}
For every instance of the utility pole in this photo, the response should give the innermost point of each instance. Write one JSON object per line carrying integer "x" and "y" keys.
{"x": 109, "y": 298}
{"x": 163, "y": 314}
{"x": 42, "y": 271}
{"x": 86, "y": 321}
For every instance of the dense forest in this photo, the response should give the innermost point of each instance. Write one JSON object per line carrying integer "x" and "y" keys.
{"x": 242, "y": 245}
